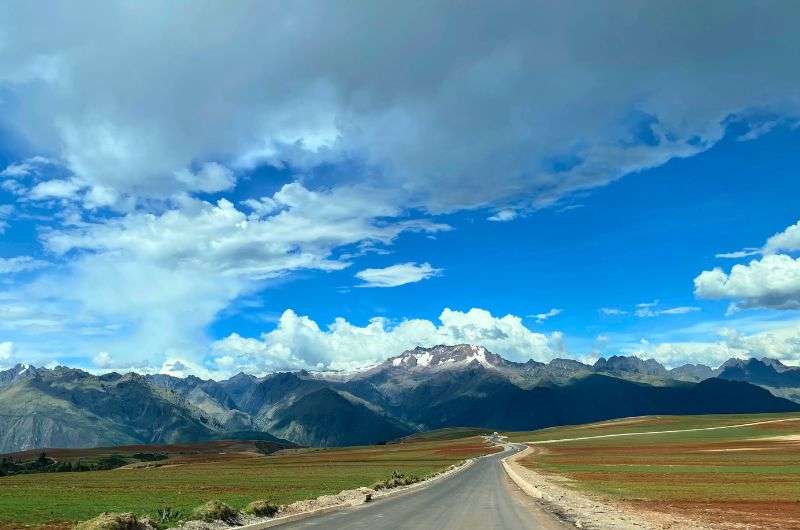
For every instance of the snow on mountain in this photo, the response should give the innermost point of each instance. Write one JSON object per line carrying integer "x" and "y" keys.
{"x": 443, "y": 357}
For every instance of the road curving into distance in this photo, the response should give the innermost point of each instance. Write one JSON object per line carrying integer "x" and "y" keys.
{"x": 481, "y": 497}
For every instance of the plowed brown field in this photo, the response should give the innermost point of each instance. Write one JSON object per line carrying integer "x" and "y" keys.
{"x": 723, "y": 477}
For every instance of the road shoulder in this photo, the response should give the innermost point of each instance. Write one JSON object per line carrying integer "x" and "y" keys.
{"x": 544, "y": 518}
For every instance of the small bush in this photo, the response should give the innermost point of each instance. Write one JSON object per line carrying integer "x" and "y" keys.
{"x": 167, "y": 516}
{"x": 396, "y": 480}
{"x": 110, "y": 462}
{"x": 150, "y": 457}
{"x": 262, "y": 509}
{"x": 215, "y": 511}
{"x": 114, "y": 521}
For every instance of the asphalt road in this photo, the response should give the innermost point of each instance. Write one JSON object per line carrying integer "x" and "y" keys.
{"x": 478, "y": 498}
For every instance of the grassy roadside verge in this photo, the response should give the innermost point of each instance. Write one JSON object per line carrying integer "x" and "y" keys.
{"x": 55, "y": 500}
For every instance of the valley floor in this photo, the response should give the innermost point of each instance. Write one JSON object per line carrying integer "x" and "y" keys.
{"x": 716, "y": 472}
{"x": 721, "y": 471}
{"x": 183, "y": 482}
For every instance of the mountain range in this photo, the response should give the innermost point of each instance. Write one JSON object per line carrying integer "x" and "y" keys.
{"x": 423, "y": 388}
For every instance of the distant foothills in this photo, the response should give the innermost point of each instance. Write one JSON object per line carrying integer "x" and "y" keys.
{"x": 421, "y": 389}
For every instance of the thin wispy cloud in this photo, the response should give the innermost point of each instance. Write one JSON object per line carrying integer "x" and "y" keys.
{"x": 541, "y": 317}
{"x": 397, "y": 275}
{"x": 739, "y": 254}
{"x": 20, "y": 264}
{"x": 654, "y": 309}
{"x": 649, "y": 310}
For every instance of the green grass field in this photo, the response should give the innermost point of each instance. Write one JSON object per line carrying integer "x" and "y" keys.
{"x": 448, "y": 433}
{"x": 643, "y": 424}
{"x": 55, "y": 500}
{"x": 742, "y": 474}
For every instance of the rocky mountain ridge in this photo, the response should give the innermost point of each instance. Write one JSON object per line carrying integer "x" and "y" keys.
{"x": 423, "y": 388}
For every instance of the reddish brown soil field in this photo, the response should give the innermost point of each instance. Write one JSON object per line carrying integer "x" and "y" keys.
{"x": 723, "y": 478}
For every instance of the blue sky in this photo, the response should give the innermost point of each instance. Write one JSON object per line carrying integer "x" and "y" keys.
{"x": 638, "y": 240}
{"x": 179, "y": 193}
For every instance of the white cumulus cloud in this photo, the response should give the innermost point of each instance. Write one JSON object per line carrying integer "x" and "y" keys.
{"x": 6, "y": 352}
{"x": 154, "y": 282}
{"x": 103, "y": 360}
{"x": 504, "y": 215}
{"x": 301, "y": 232}
{"x": 55, "y": 189}
{"x": 299, "y": 342}
{"x": 210, "y": 178}
{"x": 785, "y": 241}
{"x": 781, "y": 342}
{"x": 772, "y": 282}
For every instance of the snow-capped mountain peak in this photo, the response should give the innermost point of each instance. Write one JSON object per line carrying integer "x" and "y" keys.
{"x": 440, "y": 357}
